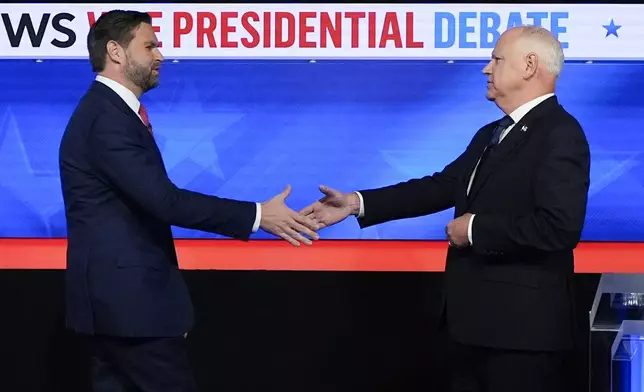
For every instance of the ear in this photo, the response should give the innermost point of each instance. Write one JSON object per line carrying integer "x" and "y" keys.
{"x": 115, "y": 52}
{"x": 531, "y": 65}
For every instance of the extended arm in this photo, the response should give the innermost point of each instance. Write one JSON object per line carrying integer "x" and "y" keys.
{"x": 404, "y": 200}
{"x": 134, "y": 171}
{"x": 416, "y": 197}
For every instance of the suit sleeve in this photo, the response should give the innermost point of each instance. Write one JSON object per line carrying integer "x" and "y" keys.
{"x": 136, "y": 172}
{"x": 417, "y": 197}
{"x": 560, "y": 193}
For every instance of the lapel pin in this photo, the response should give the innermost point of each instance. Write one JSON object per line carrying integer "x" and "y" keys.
{"x": 524, "y": 128}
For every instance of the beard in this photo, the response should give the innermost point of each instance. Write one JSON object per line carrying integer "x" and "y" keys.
{"x": 142, "y": 76}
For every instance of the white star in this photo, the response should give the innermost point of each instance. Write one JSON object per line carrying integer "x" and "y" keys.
{"x": 40, "y": 191}
{"x": 188, "y": 132}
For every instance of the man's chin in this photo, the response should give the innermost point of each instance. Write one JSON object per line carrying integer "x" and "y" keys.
{"x": 490, "y": 93}
{"x": 152, "y": 84}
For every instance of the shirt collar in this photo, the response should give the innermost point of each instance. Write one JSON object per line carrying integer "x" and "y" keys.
{"x": 522, "y": 110}
{"x": 125, "y": 93}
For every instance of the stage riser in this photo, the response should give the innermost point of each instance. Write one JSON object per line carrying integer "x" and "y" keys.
{"x": 266, "y": 330}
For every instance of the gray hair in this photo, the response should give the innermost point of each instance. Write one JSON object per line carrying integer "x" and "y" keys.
{"x": 546, "y": 46}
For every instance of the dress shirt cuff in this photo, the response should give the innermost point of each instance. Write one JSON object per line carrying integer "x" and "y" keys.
{"x": 469, "y": 230}
{"x": 258, "y": 217}
{"x": 361, "y": 213}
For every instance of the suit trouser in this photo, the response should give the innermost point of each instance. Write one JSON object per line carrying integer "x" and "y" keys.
{"x": 140, "y": 364}
{"x": 482, "y": 369}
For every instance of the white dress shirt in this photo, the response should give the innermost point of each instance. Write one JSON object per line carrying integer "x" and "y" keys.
{"x": 133, "y": 102}
{"x": 516, "y": 115}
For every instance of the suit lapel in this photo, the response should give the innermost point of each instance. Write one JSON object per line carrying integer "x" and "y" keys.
{"x": 115, "y": 99}
{"x": 480, "y": 148}
{"x": 517, "y": 135}
{"x": 511, "y": 141}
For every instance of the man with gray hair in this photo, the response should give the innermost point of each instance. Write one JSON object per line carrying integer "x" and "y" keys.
{"x": 520, "y": 191}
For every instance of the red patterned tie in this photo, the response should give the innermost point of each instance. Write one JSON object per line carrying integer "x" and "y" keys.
{"x": 144, "y": 116}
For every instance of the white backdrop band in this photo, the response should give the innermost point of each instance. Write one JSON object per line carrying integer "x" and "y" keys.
{"x": 330, "y": 31}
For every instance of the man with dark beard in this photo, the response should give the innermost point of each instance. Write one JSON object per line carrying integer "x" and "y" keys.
{"x": 124, "y": 290}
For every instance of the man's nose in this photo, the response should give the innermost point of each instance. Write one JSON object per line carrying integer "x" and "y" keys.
{"x": 159, "y": 55}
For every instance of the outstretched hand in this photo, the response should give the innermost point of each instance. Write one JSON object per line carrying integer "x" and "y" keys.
{"x": 334, "y": 207}
{"x": 285, "y": 223}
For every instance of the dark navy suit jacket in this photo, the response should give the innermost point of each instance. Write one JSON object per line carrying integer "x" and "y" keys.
{"x": 512, "y": 289}
{"x": 122, "y": 276}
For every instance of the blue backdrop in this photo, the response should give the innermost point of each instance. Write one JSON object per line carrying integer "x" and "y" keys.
{"x": 246, "y": 129}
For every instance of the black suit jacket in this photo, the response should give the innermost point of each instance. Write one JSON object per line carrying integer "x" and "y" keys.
{"x": 512, "y": 287}
{"x": 122, "y": 277}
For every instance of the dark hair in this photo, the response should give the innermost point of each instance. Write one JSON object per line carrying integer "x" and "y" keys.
{"x": 116, "y": 26}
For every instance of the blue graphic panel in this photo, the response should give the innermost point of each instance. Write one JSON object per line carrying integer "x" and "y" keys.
{"x": 247, "y": 129}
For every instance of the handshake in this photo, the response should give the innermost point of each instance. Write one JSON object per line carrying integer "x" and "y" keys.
{"x": 301, "y": 227}
{"x": 333, "y": 207}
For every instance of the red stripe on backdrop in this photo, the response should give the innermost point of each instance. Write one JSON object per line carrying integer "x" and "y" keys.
{"x": 321, "y": 256}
